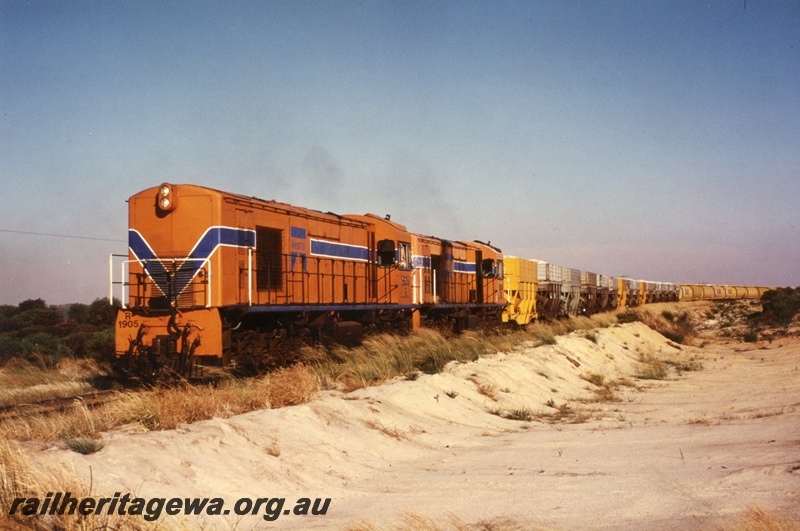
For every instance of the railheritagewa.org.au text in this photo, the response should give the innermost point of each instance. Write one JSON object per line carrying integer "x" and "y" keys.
{"x": 150, "y": 509}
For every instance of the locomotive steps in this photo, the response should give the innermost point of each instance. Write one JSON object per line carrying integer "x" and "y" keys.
{"x": 565, "y": 435}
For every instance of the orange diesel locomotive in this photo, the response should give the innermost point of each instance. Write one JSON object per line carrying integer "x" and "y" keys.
{"x": 219, "y": 279}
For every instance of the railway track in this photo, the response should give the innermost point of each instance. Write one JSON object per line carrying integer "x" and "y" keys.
{"x": 55, "y": 405}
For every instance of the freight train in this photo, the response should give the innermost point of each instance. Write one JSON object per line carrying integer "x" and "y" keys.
{"x": 216, "y": 279}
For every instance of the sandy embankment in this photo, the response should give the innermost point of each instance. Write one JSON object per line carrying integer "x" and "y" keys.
{"x": 688, "y": 452}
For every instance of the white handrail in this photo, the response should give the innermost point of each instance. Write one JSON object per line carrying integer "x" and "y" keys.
{"x": 210, "y": 286}
{"x": 111, "y": 278}
{"x": 123, "y": 284}
{"x": 124, "y": 273}
{"x": 414, "y": 285}
{"x": 249, "y": 276}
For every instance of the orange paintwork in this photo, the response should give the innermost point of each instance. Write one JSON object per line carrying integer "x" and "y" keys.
{"x": 213, "y": 249}
{"x": 203, "y": 327}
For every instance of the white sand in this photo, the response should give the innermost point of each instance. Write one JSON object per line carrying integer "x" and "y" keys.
{"x": 688, "y": 452}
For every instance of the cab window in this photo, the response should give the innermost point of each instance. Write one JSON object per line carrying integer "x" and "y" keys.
{"x": 487, "y": 268}
{"x": 386, "y": 253}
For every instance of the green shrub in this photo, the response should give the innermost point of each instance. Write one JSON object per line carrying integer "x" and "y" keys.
{"x": 780, "y": 306}
{"x": 629, "y": 316}
{"x": 84, "y": 445}
{"x": 101, "y": 345}
{"x": 677, "y": 337}
{"x": 12, "y": 347}
{"x": 47, "y": 349}
{"x": 40, "y": 348}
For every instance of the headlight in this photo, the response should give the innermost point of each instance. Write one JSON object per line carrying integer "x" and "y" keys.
{"x": 166, "y": 198}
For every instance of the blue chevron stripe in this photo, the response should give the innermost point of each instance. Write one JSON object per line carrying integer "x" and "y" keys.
{"x": 147, "y": 257}
{"x": 205, "y": 247}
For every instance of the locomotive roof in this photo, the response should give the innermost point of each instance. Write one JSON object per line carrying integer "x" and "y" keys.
{"x": 269, "y": 203}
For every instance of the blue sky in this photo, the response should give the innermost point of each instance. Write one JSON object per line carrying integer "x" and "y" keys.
{"x": 658, "y": 140}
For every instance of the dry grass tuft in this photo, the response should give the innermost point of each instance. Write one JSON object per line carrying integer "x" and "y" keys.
{"x": 594, "y": 378}
{"x": 20, "y": 478}
{"x": 603, "y": 320}
{"x": 167, "y": 407}
{"x": 580, "y": 323}
{"x": 489, "y": 391}
{"x": 507, "y": 341}
{"x": 22, "y": 382}
{"x": 757, "y": 519}
{"x": 292, "y": 386}
{"x": 652, "y": 368}
{"x": 386, "y": 356}
{"x": 673, "y": 324}
{"x": 546, "y": 334}
{"x": 423, "y": 523}
{"x": 604, "y": 390}
{"x": 521, "y": 414}
{"x": 394, "y": 433}
{"x": 565, "y": 413}
{"x": 411, "y": 521}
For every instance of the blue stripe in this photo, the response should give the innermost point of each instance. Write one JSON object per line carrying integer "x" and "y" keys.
{"x": 339, "y": 250}
{"x": 464, "y": 267}
{"x": 421, "y": 262}
{"x": 424, "y": 262}
{"x": 146, "y": 256}
{"x": 138, "y": 245}
{"x": 216, "y": 236}
{"x": 297, "y": 232}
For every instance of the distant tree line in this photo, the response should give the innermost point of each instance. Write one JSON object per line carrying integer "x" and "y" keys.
{"x": 43, "y": 335}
